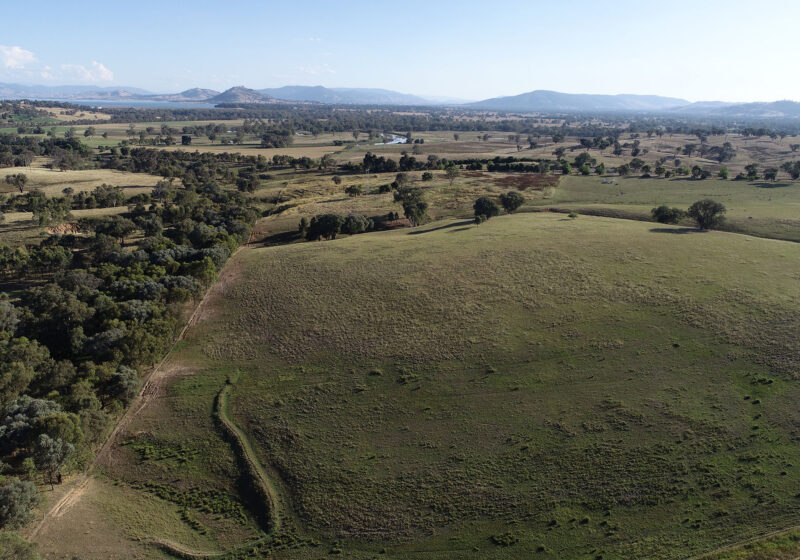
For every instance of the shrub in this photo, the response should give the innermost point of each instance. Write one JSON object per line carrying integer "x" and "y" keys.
{"x": 354, "y": 190}
{"x": 17, "y": 499}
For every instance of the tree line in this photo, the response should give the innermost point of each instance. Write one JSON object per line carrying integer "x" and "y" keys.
{"x": 73, "y": 345}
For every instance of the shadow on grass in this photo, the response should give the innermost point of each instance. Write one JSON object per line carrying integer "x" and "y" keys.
{"x": 677, "y": 230}
{"x": 460, "y": 229}
{"x": 766, "y": 185}
{"x": 445, "y": 226}
{"x": 281, "y": 238}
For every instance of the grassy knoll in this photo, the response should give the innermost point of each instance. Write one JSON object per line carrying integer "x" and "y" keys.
{"x": 533, "y": 387}
{"x": 767, "y": 209}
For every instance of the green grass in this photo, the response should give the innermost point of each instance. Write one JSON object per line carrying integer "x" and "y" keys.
{"x": 535, "y": 386}
{"x": 766, "y": 209}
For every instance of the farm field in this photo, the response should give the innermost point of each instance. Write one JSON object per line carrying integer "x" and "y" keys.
{"x": 538, "y": 386}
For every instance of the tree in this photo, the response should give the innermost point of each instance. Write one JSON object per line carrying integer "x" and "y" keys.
{"x": 723, "y": 173}
{"x": 18, "y": 181}
{"x": 751, "y": 172}
{"x": 636, "y": 164}
{"x": 666, "y": 215}
{"x": 451, "y": 172}
{"x": 302, "y": 227}
{"x": 414, "y": 207}
{"x": 455, "y": 136}
{"x": 623, "y": 169}
{"x": 771, "y": 174}
{"x": 511, "y": 201}
{"x": 327, "y": 161}
{"x": 89, "y": 132}
{"x": 794, "y": 147}
{"x": 186, "y": 140}
{"x": 51, "y": 454}
{"x": 354, "y": 190}
{"x": 324, "y": 226}
{"x": 337, "y": 180}
{"x": 487, "y": 207}
{"x": 708, "y": 213}
{"x": 356, "y": 223}
{"x": 124, "y": 384}
{"x": 355, "y": 135}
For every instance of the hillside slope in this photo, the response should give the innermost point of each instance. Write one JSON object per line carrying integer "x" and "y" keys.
{"x": 535, "y": 386}
{"x": 578, "y": 383}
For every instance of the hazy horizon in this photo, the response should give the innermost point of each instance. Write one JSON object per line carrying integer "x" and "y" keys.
{"x": 737, "y": 53}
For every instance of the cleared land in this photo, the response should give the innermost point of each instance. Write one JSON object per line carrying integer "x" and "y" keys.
{"x": 533, "y": 387}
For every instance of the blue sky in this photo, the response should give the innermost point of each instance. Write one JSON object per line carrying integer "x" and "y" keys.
{"x": 704, "y": 49}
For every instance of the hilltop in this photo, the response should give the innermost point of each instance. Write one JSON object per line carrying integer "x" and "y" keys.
{"x": 545, "y": 100}
{"x": 345, "y": 96}
{"x": 241, "y": 94}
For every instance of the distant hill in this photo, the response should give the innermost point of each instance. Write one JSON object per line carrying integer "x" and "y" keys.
{"x": 544, "y": 100}
{"x": 345, "y": 96}
{"x": 20, "y": 91}
{"x": 701, "y": 107}
{"x": 774, "y": 109}
{"x": 241, "y": 94}
{"x": 194, "y": 94}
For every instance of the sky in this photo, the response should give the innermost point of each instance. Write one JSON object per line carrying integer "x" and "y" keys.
{"x": 729, "y": 50}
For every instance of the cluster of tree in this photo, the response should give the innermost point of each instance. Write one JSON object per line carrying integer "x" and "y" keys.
{"x": 707, "y": 214}
{"x": 19, "y": 151}
{"x": 328, "y": 226}
{"x": 104, "y": 196}
{"x": 486, "y": 208}
{"x": 72, "y": 347}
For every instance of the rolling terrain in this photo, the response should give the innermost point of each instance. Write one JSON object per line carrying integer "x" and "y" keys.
{"x": 536, "y": 386}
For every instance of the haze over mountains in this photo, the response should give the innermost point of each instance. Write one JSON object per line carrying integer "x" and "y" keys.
{"x": 535, "y": 101}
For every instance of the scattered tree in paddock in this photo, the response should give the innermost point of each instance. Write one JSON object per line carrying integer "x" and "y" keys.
{"x": 18, "y": 181}
{"x": 665, "y": 215}
{"x": 511, "y": 201}
{"x": 414, "y": 207}
{"x": 751, "y": 172}
{"x": 485, "y": 206}
{"x": 708, "y": 213}
{"x": 451, "y": 172}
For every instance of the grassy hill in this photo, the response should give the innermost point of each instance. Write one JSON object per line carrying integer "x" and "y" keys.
{"x": 766, "y": 209}
{"x": 537, "y": 386}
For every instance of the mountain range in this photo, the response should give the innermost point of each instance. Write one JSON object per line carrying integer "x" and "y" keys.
{"x": 538, "y": 101}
